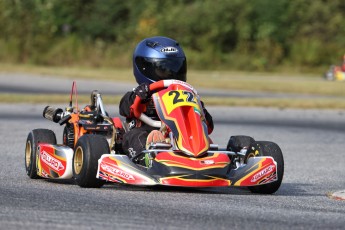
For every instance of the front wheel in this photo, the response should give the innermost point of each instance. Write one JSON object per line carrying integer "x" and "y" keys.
{"x": 35, "y": 137}
{"x": 269, "y": 149}
{"x": 88, "y": 150}
{"x": 237, "y": 143}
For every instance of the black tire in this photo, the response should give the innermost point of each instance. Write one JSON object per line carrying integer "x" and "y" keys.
{"x": 36, "y": 136}
{"x": 88, "y": 150}
{"x": 271, "y": 149}
{"x": 236, "y": 143}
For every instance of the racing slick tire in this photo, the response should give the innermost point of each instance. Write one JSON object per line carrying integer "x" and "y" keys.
{"x": 88, "y": 150}
{"x": 236, "y": 143}
{"x": 36, "y": 136}
{"x": 270, "y": 149}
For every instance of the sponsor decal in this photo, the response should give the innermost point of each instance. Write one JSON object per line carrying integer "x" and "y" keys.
{"x": 169, "y": 50}
{"x": 117, "y": 172}
{"x": 51, "y": 161}
{"x": 207, "y": 162}
{"x": 262, "y": 173}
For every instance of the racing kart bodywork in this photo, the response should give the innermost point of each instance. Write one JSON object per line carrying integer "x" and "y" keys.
{"x": 187, "y": 157}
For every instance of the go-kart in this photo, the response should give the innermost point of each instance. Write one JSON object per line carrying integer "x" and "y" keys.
{"x": 335, "y": 73}
{"x": 91, "y": 152}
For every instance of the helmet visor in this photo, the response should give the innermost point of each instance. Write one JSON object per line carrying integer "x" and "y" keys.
{"x": 158, "y": 69}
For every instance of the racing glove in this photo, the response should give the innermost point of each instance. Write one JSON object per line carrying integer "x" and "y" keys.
{"x": 143, "y": 91}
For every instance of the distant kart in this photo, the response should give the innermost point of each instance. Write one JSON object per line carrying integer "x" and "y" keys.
{"x": 335, "y": 73}
{"x": 91, "y": 152}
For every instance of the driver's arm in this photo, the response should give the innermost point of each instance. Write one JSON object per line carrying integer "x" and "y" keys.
{"x": 142, "y": 91}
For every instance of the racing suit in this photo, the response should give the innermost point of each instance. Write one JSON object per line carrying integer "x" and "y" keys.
{"x": 134, "y": 141}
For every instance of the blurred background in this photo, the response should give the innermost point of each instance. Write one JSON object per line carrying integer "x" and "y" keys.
{"x": 249, "y": 35}
{"x": 257, "y": 64}
{"x": 260, "y": 53}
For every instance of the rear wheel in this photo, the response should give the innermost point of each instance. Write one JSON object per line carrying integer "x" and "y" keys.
{"x": 270, "y": 149}
{"x": 88, "y": 150}
{"x": 35, "y": 137}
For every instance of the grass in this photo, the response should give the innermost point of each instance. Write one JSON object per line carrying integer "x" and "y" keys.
{"x": 272, "y": 82}
{"x": 305, "y": 84}
{"x": 304, "y": 103}
{"x": 53, "y": 99}
{"x": 323, "y": 103}
{"x": 102, "y": 74}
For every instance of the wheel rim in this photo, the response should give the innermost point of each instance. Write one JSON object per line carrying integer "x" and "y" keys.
{"x": 78, "y": 160}
{"x": 28, "y": 154}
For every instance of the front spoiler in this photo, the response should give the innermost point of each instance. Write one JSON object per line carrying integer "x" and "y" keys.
{"x": 120, "y": 169}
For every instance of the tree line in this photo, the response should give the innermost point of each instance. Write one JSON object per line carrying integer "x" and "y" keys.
{"x": 260, "y": 35}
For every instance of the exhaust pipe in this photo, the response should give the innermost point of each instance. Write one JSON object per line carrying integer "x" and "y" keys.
{"x": 52, "y": 114}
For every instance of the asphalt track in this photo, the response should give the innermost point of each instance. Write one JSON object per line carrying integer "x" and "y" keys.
{"x": 313, "y": 146}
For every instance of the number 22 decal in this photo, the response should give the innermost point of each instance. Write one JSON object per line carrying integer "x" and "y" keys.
{"x": 178, "y": 98}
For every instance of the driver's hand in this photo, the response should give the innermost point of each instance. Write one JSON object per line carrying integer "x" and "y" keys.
{"x": 143, "y": 91}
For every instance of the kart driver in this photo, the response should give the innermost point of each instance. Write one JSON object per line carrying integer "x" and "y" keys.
{"x": 154, "y": 59}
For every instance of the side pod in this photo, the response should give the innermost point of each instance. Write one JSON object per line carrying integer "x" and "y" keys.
{"x": 54, "y": 161}
{"x": 120, "y": 169}
{"x": 257, "y": 171}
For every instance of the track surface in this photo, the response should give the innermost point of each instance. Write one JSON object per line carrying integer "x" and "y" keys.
{"x": 313, "y": 147}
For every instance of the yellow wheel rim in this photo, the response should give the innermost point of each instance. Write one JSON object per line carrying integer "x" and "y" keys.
{"x": 78, "y": 160}
{"x": 28, "y": 153}
{"x": 249, "y": 156}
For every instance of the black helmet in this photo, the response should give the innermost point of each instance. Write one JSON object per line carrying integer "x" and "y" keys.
{"x": 159, "y": 58}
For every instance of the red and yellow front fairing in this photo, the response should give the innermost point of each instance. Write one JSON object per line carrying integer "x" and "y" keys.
{"x": 180, "y": 170}
{"x": 175, "y": 169}
{"x": 180, "y": 109}
{"x": 168, "y": 168}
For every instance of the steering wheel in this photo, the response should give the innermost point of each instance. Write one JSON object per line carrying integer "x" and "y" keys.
{"x": 138, "y": 107}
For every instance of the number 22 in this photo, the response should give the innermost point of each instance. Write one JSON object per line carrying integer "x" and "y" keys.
{"x": 177, "y": 98}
